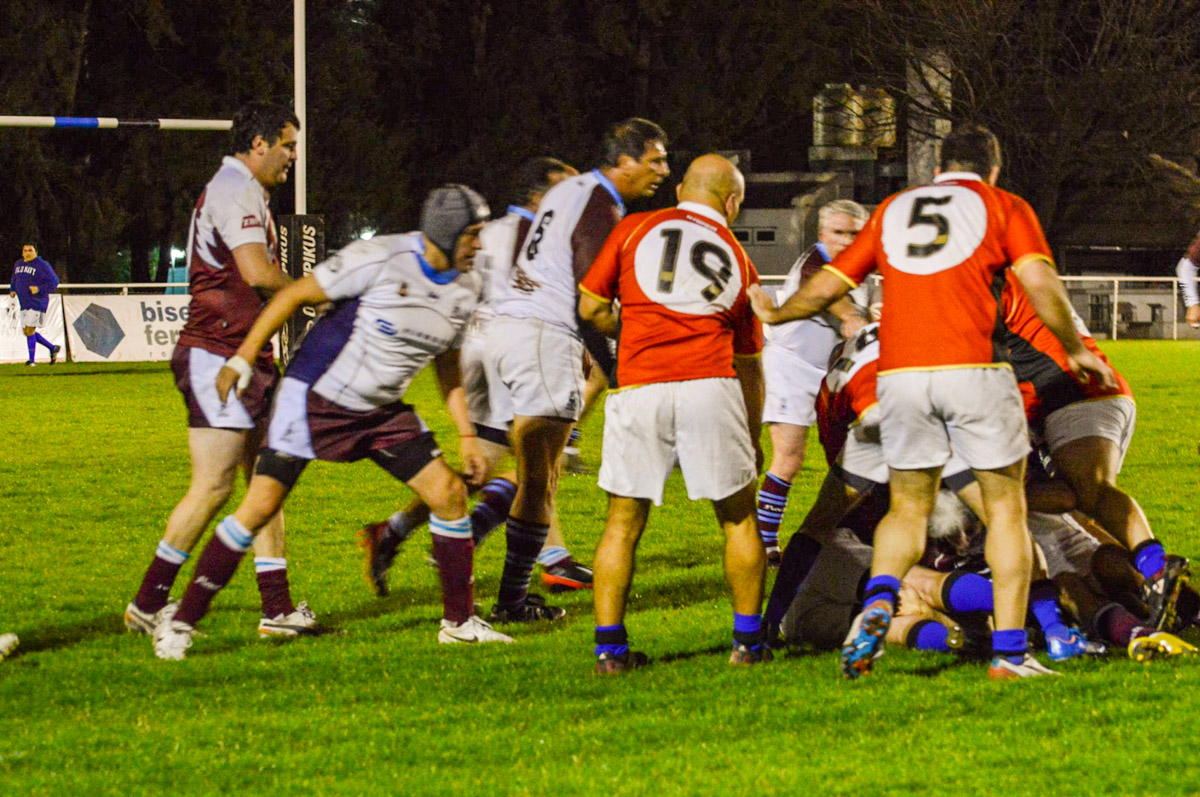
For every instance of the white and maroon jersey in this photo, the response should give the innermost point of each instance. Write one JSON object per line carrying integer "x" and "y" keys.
{"x": 498, "y": 242}
{"x": 394, "y": 315}
{"x": 810, "y": 339}
{"x": 848, "y": 391}
{"x": 573, "y": 220}
{"x": 232, "y": 211}
{"x": 681, "y": 278}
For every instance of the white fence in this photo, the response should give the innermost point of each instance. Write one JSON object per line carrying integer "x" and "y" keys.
{"x": 1144, "y": 308}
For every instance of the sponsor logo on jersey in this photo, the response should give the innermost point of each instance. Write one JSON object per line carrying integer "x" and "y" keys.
{"x": 385, "y": 327}
{"x": 251, "y": 221}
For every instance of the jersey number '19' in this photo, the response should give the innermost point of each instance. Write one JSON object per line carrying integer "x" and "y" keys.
{"x": 718, "y": 278}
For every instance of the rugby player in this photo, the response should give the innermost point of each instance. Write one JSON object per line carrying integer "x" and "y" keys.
{"x": 794, "y": 361}
{"x": 536, "y": 346}
{"x": 233, "y": 266}
{"x": 1087, "y": 428}
{"x": 943, "y": 386}
{"x": 689, "y": 391}
{"x": 487, "y": 402}
{"x": 848, "y": 423}
{"x": 403, "y": 301}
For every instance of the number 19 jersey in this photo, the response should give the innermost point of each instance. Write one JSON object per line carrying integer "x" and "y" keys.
{"x": 681, "y": 278}
{"x": 943, "y": 249}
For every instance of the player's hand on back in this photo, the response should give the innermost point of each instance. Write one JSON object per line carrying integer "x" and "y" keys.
{"x": 1087, "y": 366}
{"x": 762, "y": 304}
{"x": 851, "y": 325}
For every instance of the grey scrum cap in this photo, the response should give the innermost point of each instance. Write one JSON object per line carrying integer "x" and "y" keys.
{"x": 448, "y": 211}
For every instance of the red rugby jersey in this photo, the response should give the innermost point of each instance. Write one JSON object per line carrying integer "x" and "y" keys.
{"x": 681, "y": 279}
{"x": 1040, "y": 362}
{"x": 943, "y": 249}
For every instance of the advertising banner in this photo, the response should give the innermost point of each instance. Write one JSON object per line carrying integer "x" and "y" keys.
{"x": 124, "y": 328}
{"x": 301, "y": 246}
{"x": 13, "y": 348}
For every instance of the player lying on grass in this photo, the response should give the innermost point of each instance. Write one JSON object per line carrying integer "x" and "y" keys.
{"x": 1087, "y": 427}
{"x": 488, "y": 404}
{"x": 403, "y": 301}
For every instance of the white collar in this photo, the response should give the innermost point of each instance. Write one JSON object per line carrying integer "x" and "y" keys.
{"x": 703, "y": 210}
{"x": 944, "y": 176}
{"x": 237, "y": 163}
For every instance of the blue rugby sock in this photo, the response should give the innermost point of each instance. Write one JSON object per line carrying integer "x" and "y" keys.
{"x": 1149, "y": 558}
{"x": 928, "y": 635}
{"x": 32, "y": 347}
{"x": 967, "y": 592}
{"x": 1043, "y": 604}
{"x": 881, "y": 588}
{"x": 612, "y": 639}
{"x": 38, "y": 338}
{"x": 1011, "y": 644}
{"x": 747, "y": 630}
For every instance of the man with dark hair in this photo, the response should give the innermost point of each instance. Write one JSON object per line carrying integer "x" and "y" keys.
{"x": 944, "y": 386}
{"x": 33, "y": 280}
{"x": 403, "y": 302}
{"x": 486, "y": 399}
{"x": 536, "y": 343}
{"x": 233, "y": 267}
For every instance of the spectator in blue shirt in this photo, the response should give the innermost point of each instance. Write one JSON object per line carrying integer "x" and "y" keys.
{"x": 33, "y": 280}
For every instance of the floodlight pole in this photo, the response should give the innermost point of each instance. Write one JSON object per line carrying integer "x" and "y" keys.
{"x": 298, "y": 58}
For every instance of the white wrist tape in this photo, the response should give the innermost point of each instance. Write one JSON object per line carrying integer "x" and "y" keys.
{"x": 244, "y": 369}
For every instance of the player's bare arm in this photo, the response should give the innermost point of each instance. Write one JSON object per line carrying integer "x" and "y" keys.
{"x": 258, "y": 270}
{"x": 237, "y": 369}
{"x": 749, "y": 373}
{"x": 1049, "y": 299}
{"x": 599, "y": 313}
{"x": 853, "y": 319}
{"x": 817, "y": 294}
{"x": 449, "y": 376}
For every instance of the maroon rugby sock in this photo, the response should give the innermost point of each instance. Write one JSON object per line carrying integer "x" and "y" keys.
{"x": 216, "y": 567}
{"x": 454, "y": 551}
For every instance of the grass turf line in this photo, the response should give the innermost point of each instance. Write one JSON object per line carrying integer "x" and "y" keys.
{"x": 95, "y": 458}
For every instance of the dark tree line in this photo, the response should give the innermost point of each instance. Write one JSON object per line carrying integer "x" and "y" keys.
{"x": 405, "y": 95}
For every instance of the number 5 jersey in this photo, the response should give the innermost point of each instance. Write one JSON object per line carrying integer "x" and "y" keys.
{"x": 681, "y": 278}
{"x": 943, "y": 249}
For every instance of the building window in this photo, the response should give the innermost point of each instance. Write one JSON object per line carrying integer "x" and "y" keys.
{"x": 765, "y": 236}
{"x": 743, "y": 235}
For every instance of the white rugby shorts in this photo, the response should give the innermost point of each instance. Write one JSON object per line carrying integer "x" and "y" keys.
{"x": 488, "y": 403}
{"x": 1068, "y": 548}
{"x": 539, "y": 365}
{"x": 863, "y": 467}
{"x": 33, "y": 318}
{"x": 792, "y": 384}
{"x": 822, "y": 611}
{"x": 203, "y": 367}
{"x": 699, "y": 424}
{"x": 1112, "y": 418}
{"x": 976, "y": 413}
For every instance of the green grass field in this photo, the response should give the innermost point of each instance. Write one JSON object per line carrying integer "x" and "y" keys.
{"x": 94, "y": 459}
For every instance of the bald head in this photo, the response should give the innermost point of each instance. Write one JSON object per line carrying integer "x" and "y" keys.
{"x": 714, "y": 181}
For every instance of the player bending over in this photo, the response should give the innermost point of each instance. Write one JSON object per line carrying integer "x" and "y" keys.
{"x": 402, "y": 302}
